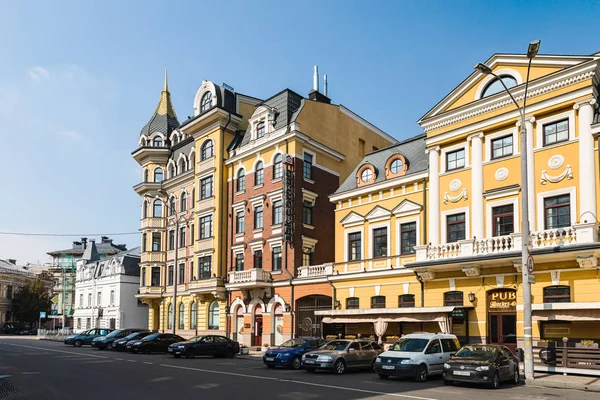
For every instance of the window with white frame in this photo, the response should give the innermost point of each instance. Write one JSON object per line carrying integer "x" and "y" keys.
{"x": 556, "y": 132}
{"x": 258, "y": 217}
{"x": 241, "y": 181}
{"x": 557, "y": 211}
{"x": 205, "y": 226}
{"x": 502, "y": 147}
{"x": 260, "y": 129}
{"x": 206, "y": 102}
{"x": 278, "y": 167}
{"x": 455, "y": 159}
{"x": 355, "y": 246}
{"x": 380, "y": 240}
{"x": 259, "y": 174}
{"x": 239, "y": 222}
{"x": 455, "y": 228}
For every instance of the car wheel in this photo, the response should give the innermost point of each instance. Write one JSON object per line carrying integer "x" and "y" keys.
{"x": 190, "y": 353}
{"x": 448, "y": 383}
{"x": 421, "y": 373}
{"x": 270, "y": 366}
{"x": 372, "y": 366}
{"x": 339, "y": 367}
{"x": 78, "y": 343}
{"x": 108, "y": 346}
{"x": 496, "y": 380}
{"x": 296, "y": 363}
{"x": 311, "y": 370}
{"x": 382, "y": 376}
{"x": 229, "y": 354}
{"x": 516, "y": 376}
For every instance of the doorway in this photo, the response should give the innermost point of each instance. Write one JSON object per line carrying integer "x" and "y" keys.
{"x": 239, "y": 325}
{"x": 307, "y": 323}
{"x": 258, "y": 327}
{"x": 502, "y": 317}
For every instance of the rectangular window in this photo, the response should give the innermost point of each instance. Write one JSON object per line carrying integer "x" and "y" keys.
{"x": 192, "y": 235}
{"x": 155, "y": 278}
{"x": 204, "y": 267}
{"x": 556, "y": 132}
{"x": 503, "y": 220}
{"x": 171, "y": 240}
{"x": 112, "y": 297}
{"x": 81, "y": 300}
{"x": 99, "y": 299}
{"x": 170, "y": 275}
{"x": 557, "y": 211}
{"x": 258, "y": 259}
{"x": 88, "y": 323}
{"x": 307, "y": 256}
{"x": 307, "y": 166}
{"x": 156, "y": 239}
{"x": 455, "y": 159}
{"x": 205, "y": 227}
{"x": 143, "y": 273}
{"x": 455, "y": 226}
{"x": 239, "y": 222}
{"x": 380, "y": 242}
{"x": 307, "y": 213}
{"x": 352, "y": 303}
{"x": 453, "y": 299}
{"x": 502, "y": 147}
{"x": 408, "y": 238}
{"x": 406, "y": 300}
{"x": 354, "y": 246}
{"x": 89, "y": 300}
{"x": 78, "y": 323}
{"x": 144, "y": 242}
{"x": 361, "y": 148}
{"x": 181, "y": 274}
{"x": 378, "y": 302}
{"x": 557, "y": 294}
{"x": 277, "y": 212}
{"x": 192, "y": 270}
{"x": 206, "y": 187}
{"x": 276, "y": 259}
{"x": 258, "y": 218}
{"x": 182, "y": 236}
{"x": 239, "y": 262}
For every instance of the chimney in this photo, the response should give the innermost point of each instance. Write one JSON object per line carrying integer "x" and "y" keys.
{"x": 325, "y": 84}
{"x": 12, "y": 261}
{"x": 316, "y": 79}
{"x": 105, "y": 239}
{"x": 84, "y": 241}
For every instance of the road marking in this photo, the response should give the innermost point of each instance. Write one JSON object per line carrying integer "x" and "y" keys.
{"x": 131, "y": 361}
{"x": 404, "y": 396}
{"x": 4, "y": 376}
{"x": 57, "y": 351}
{"x": 98, "y": 361}
{"x": 120, "y": 359}
{"x": 207, "y": 386}
{"x": 162, "y": 378}
{"x": 147, "y": 363}
{"x": 30, "y": 373}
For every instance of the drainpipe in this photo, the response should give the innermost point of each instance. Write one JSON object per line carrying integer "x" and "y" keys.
{"x": 422, "y": 289}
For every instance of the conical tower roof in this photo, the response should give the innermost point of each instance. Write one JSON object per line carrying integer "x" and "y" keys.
{"x": 164, "y": 119}
{"x": 91, "y": 253}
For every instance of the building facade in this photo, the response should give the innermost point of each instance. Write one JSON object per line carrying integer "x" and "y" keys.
{"x": 12, "y": 279}
{"x": 105, "y": 291}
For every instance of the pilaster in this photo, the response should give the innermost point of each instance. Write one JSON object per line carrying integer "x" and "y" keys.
{"x": 587, "y": 173}
{"x": 434, "y": 195}
{"x": 476, "y": 184}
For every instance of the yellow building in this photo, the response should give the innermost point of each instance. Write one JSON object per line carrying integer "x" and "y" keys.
{"x": 461, "y": 214}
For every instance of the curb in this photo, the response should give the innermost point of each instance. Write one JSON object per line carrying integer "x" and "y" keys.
{"x": 567, "y": 385}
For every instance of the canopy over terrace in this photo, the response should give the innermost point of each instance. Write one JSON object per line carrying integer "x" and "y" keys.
{"x": 589, "y": 311}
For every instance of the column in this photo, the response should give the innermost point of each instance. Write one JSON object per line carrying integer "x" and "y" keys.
{"x": 433, "y": 212}
{"x": 530, "y": 171}
{"x": 587, "y": 173}
{"x": 477, "y": 185}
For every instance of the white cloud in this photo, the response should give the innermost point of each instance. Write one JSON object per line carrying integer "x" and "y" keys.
{"x": 38, "y": 74}
{"x": 72, "y": 135}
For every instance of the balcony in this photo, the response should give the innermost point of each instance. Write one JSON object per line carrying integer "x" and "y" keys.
{"x": 151, "y": 291}
{"x": 149, "y": 223}
{"x": 315, "y": 271}
{"x": 255, "y": 277}
{"x": 157, "y": 256}
{"x": 562, "y": 237}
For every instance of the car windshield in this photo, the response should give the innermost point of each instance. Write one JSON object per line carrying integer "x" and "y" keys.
{"x": 337, "y": 345}
{"x": 196, "y": 338}
{"x": 150, "y": 337}
{"x": 113, "y": 334}
{"x": 135, "y": 335}
{"x": 293, "y": 343}
{"x": 482, "y": 352}
{"x": 410, "y": 345}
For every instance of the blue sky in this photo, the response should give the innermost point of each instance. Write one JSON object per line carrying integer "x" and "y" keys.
{"x": 78, "y": 80}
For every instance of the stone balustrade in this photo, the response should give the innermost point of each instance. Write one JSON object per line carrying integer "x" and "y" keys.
{"x": 313, "y": 271}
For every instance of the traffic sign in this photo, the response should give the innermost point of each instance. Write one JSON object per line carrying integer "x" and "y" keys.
{"x": 530, "y": 264}
{"x": 531, "y": 279}
{"x": 42, "y": 314}
{"x": 54, "y": 299}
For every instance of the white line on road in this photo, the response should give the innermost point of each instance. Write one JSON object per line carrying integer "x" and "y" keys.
{"x": 131, "y": 361}
{"x": 30, "y": 373}
{"x": 57, "y": 351}
{"x": 4, "y": 376}
{"x": 120, "y": 359}
{"x": 147, "y": 363}
{"x": 405, "y": 396}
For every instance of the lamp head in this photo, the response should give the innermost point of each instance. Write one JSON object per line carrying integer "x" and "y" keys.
{"x": 533, "y": 49}
{"x": 484, "y": 69}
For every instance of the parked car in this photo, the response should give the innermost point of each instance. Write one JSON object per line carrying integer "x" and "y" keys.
{"x": 487, "y": 364}
{"x": 154, "y": 343}
{"x": 121, "y": 344}
{"x": 12, "y": 328}
{"x": 86, "y": 337}
{"x": 417, "y": 355}
{"x": 289, "y": 354}
{"x": 106, "y": 342}
{"x": 211, "y": 345}
{"x": 28, "y": 331}
{"x": 341, "y": 355}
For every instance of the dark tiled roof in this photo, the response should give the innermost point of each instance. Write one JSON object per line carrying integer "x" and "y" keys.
{"x": 91, "y": 253}
{"x": 104, "y": 248}
{"x": 412, "y": 149}
{"x": 164, "y": 119}
{"x": 10, "y": 268}
{"x": 130, "y": 261}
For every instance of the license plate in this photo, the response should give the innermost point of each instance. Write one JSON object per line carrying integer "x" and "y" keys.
{"x": 462, "y": 373}
{"x": 269, "y": 359}
{"x": 309, "y": 361}
{"x": 388, "y": 367}
{"x": 170, "y": 350}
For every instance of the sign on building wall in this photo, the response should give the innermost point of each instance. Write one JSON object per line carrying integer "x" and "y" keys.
{"x": 503, "y": 300}
{"x": 288, "y": 200}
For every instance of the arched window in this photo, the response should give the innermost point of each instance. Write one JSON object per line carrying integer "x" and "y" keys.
{"x": 495, "y": 86}
{"x": 260, "y": 129}
{"x": 206, "y": 102}
{"x": 241, "y": 181}
{"x": 277, "y": 166}
{"x": 172, "y": 210}
{"x": 175, "y": 137}
{"x": 157, "y": 209}
{"x": 143, "y": 143}
{"x": 406, "y": 300}
{"x": 170, "y": 317}
{"x": 213, "y": 315}
{"x": 207, "y": 149}
{"x": 182, "y": 165}
{"x": 145, "y": 209}
{"x": 378, "y": 302}
{"x": 192, "y": 161}
{"x": 158, "y": 175}
{"x": 181, "y": 316}
{"x": 453, "y": 299}
{"x": 146, "y": 174}
{"x": 157, "y": 142}
{"x": 352, "y": 303}
{"x": 171, "y": 171}
{"x": 183, "y": 202}
{"x": 557, "y": 294}
{"x": 259, "y": 174}
{"x": 193, "y": 316}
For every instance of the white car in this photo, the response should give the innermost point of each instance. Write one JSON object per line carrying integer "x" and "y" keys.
{"x": 417, "y": 355}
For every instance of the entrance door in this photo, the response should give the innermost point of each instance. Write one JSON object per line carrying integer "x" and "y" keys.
{"x": 307, "y": 323}
{"x": 239, "y": 325}
{"x": 502, "y": 318}
{"x": 258, "y": 331}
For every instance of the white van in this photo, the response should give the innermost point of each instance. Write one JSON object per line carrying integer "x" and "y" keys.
{"x": 417, "y": 355}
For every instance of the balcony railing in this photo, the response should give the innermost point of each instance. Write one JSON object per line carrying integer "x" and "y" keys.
{"x": 156, "y": 256}
{"x": 254, "y": 275}
{"x": 151, "y": 289}
{"x": 153, "y": 223}
{"x": 314, "y": 271}
{"x": 577, "y": 234}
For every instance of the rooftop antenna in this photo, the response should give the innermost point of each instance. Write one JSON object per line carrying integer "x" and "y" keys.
{"x": 316, "y": 79}
{"x": 325, "y": 84}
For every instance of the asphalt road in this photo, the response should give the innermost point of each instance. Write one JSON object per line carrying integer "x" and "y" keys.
{"x": 50, "y": 370}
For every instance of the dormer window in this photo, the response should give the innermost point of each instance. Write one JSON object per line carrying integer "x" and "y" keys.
{"x": 260, "y": 129}
{"x": 395, "y": 166}
{"x": 206, "y": 102}
{"x": 365, "y": 175}
{"x": 157, "y": 142}
{"x": 495, "y": 86}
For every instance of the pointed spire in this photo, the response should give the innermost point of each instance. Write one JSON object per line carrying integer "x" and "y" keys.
{"x": 166, "y": 88}
{"x": 164, "y": 119}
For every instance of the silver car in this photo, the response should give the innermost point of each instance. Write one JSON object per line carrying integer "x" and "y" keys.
{"x": 341, "y": 355}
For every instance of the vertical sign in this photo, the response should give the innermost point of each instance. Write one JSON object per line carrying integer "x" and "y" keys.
{"x": 288, "y": 200}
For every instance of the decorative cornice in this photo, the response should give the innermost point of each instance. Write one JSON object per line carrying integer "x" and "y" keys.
{"x": 591, "y": 101}
{"x": 587, "y": 262}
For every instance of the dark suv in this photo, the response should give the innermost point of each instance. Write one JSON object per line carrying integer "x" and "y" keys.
{"x": 106, "y": 342}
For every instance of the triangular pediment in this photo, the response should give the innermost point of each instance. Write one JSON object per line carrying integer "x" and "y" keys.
{"x": 515, "y": 65}
{"x": 378, "y": 213}
{"x": 407, "y": 207}
{"x": 352, "y": 218}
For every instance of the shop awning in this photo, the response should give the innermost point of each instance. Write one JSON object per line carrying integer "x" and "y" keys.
{"x": 566, "y": 311}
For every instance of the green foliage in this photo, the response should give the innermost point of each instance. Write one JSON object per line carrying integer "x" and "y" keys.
{"x": 30, "y": 300}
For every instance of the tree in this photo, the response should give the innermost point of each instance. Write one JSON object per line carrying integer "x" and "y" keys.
{"x": 30, "y": 300}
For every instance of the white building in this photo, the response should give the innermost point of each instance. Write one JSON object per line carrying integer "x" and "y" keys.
{"x": 105, "y": 291}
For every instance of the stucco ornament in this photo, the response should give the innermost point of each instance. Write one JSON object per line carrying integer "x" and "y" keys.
{"x": 454, "y": 199}
{"x": 567, "y": 173}
{"x": 455, "y": 185}
{"x": 501, "y": 174}
{"x": 556, "y": 161}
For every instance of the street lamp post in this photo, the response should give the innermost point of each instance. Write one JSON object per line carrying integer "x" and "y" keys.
{"x": 525, "y": 235}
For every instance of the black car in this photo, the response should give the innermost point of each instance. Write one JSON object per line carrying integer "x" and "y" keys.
{"x": 477, "y": 363}
{"x": 121, "y": 344}
{"x": 106, "y": 342}
{"x": 154, "y": 343}
{"x": 211, "y": 345}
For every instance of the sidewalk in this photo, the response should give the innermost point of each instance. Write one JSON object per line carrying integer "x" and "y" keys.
{"x": 578, "y": 382}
